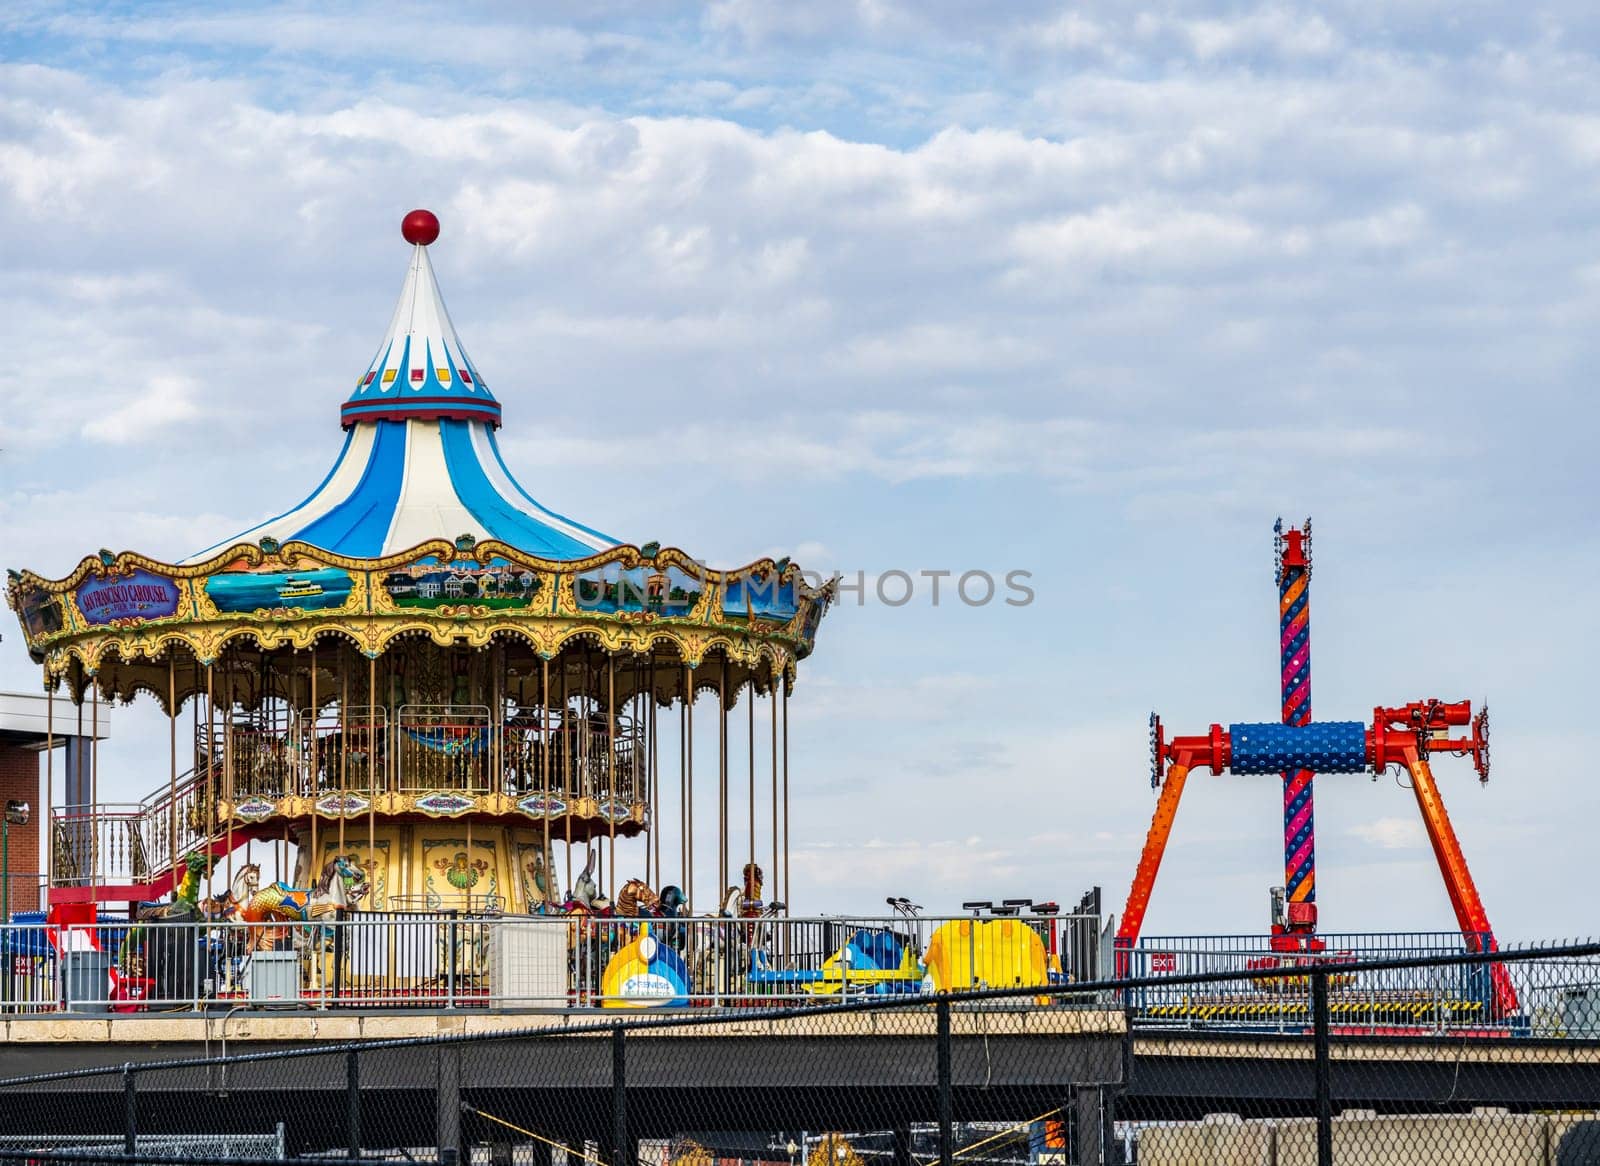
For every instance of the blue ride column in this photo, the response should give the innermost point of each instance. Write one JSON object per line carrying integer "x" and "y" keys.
{"x": 1294, "y": 659}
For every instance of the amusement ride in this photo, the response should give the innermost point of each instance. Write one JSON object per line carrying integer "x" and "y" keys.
{"x": 423, "y": 688}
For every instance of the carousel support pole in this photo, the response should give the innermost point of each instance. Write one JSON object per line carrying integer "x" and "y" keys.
{"x": 683, "y": 786}
{"x": 750, "y": 734}
{"x": 49, "y": 777}
{"x": 94, "y": 775}
{"x": 787, "y": 893}
{"x": 545, "y": 857}
{"x": 344, "y": 746}
{"x": 372, "y": 773}
{"x": 772, "y": 705}
{"x": 213, "y": 786}
{"x": 496, "y": 778}
{"x": 654, "y": 773}
{"x": 636, "y": 758}
{"x": 566, "y": 769}
{"x": 172, "y": 757}
{"x": 75, "y": 784}
{"x": 611, "y": 774}
{"x": 227, "y": 767}
{"x": 722, "y": 776}
{"x": 316, "y": 755}
{"x": 688, "y": 800}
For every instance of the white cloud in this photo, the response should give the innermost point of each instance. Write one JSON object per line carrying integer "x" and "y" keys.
{"x": 1392, "y": 833}
{"x": 164, "y": 402}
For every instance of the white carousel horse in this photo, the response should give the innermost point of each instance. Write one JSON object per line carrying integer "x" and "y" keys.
{"x": 340, "y": 887}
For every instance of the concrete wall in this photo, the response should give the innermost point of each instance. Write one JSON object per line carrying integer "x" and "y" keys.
{"x": 1373, "y": 1140}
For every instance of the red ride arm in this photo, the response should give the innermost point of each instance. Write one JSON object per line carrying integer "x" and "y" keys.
{"x": 1155, "y": 845}
{"x": 1464, "y": 899}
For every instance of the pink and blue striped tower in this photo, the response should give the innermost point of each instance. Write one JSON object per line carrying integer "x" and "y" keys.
{"x": 1294, "y": 658}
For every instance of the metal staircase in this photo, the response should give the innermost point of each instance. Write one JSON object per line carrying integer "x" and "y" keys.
{"x": 134, "y": 852}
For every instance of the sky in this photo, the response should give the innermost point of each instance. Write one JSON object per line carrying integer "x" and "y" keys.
{"x": 1094, "y": 291}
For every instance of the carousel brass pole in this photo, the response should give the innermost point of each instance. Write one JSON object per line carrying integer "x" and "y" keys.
{"x": 566, "y": 770}
{"x": 49, "y": 776}
{"x": 490, "y": 692}
{"x": 546, "y": 859}
{"x": 372, "y": 773}
{"x": 227, "y": 765}
{"x": 213, "y": 786}
{"x": 172, "y": 757}
{"x": 94, "y": 741}
{"x": 750, "y": 733}
{"x": 316, "y": 757}
{"x": 684, "y": 787}
{"x": 772, "y": 704}
{"x": 722, "y": 776}
{"x": 654, "y": 773}
{"x": 636, "y": 737}
{"x": 787, "y": 893}
{"x": 344, "y": 744}
{"x": 94, "y": 773}
{"x": 688, "y": 800}
{"x": 611, "y": 774}
{"x": 75, "y": 786}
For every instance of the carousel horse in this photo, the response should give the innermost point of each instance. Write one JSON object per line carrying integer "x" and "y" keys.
{"x": 340, "y": 887}
{"x": 673, "y": 903}
{"x": 224, "y": 908}
{"x": 638, "y": 900}
{"x": 184, "y": 908}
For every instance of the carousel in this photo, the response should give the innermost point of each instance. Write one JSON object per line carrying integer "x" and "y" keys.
{"x": 423, "y": 689}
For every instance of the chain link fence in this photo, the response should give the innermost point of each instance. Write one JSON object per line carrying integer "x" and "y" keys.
{"x": 1048, "y": 1075}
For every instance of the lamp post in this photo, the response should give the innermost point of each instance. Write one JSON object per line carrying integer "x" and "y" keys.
{"x": 16, "y": 815}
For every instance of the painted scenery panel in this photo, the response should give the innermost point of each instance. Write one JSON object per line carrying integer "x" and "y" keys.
{"x": 760, "y": 595}
{"x": 308, "y": 589}
{"x": 429, "y": 584}
{"x": 41, "y": 613}
{"x": 612, "y": 588}
{"x": 138, "y": 595}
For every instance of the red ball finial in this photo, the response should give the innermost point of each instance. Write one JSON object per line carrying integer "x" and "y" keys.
{"x": 420, "y": 227}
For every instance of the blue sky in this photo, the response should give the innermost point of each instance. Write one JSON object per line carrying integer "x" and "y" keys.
{"x": 1094, "y": 291}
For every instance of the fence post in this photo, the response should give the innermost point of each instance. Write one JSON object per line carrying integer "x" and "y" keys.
{"x": 622, "y": 1149}
{"x": 450, "y": 972}
{"x": 941, "y": 1012}
{"x": 339, "y": 944}
{"x": 447, "y": 1105}
{"x": 352, "y": 1103}
{"x": 130, "y": 1112}
{"x": 1324, "y": 1083}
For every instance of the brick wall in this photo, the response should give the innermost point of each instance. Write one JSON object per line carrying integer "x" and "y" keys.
{"x": 19, "y": 778}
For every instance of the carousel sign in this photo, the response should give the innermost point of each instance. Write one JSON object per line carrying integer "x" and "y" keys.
{"x": 138, "y": 595}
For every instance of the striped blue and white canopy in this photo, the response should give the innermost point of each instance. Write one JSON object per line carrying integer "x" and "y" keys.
{"x": 420, "y": 459}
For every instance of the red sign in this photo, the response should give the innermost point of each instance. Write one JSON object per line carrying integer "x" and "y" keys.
{"x": 1163, "y": 961}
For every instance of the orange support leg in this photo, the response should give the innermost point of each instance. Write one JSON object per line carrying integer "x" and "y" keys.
{"x": 1464, "y": 899}
{"x": 1155, "y": 845}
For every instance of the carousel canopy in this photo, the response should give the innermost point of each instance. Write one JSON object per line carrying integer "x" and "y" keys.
{"x": 420, "y": 458}
{"x": 418, "y": 530}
